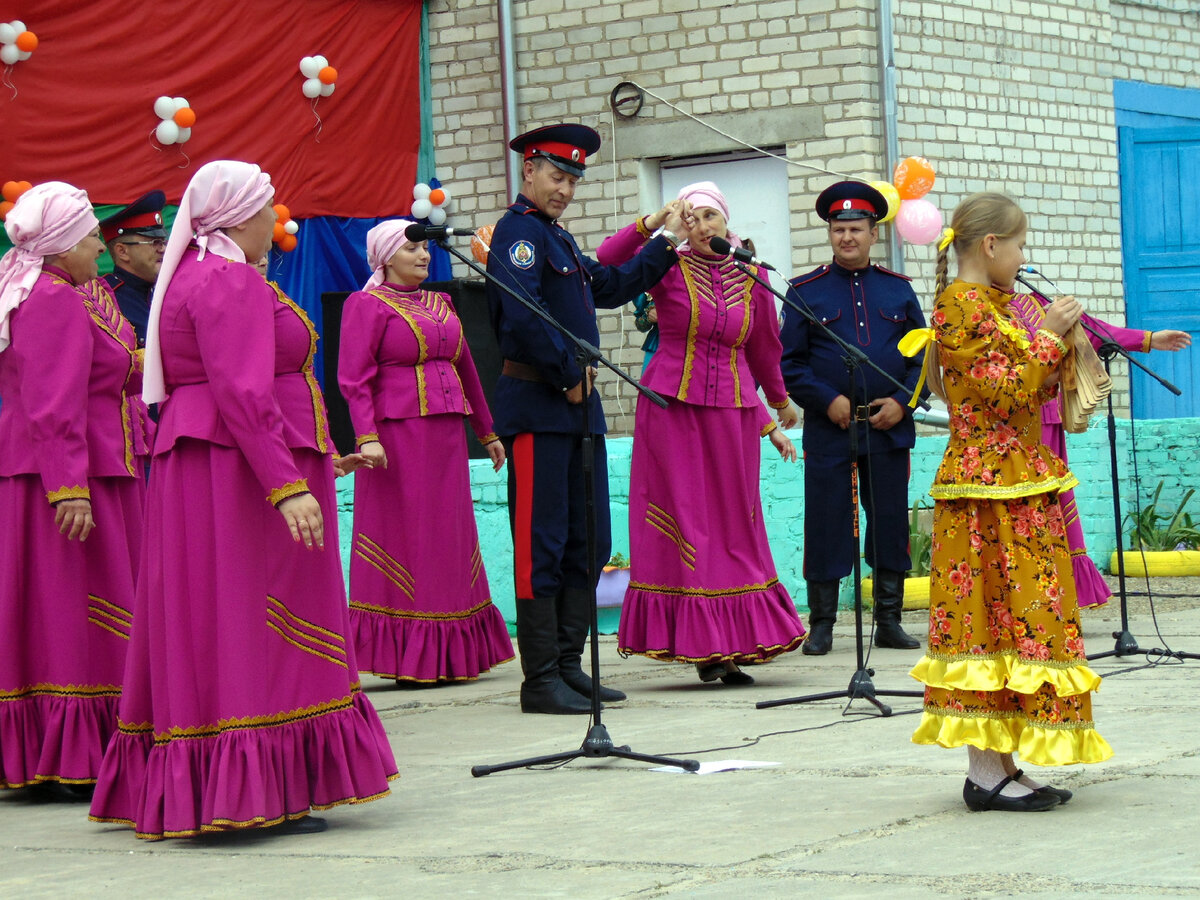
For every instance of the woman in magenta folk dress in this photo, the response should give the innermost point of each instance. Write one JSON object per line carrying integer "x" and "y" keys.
{"x": 1031, "y": 312}
{"x": 71, "y": 494}
{"x": 241, "y": 705}
{"x": 703, "y": 587}
{"x": 420, "y": 606}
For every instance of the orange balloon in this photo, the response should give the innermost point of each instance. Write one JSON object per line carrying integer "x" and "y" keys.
{"x": 327, "y": 75}
{"x": 288, "y": 243}
{"x": 11, "y": 191}
{"x": 437, "y": 196}
{"x": 185, "y": 118}
{"x": 22, "y": 187}
{"x": 27, "y": 42}
{"x": 481, "y": 244}
{"x": 282, "y": 211}
{"x": 913, "y": 177}
{"x": 5, "y": 207}
{"x": 278, "y": 234}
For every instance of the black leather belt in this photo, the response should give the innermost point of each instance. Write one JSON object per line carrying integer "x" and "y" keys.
{"x": 521, "y": 371}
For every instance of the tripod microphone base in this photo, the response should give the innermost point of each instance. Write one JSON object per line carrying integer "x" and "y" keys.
{"x": 860, "y": 688}
{"x": 596, "y": 745}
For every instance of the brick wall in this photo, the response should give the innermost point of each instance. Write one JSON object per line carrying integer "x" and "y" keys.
{"x": 1003, "y": 94}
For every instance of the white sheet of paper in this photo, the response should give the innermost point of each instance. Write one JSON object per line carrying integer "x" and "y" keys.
{"x": 721, "y": 765}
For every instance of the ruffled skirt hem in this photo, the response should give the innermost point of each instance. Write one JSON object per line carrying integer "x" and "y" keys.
{"x": 244, "y": 778}
{"x": 750, "y": 627}
{"x": 1037, "y": 744}
{"x": 1004, "y": 672}
{"x": 429, "y": 651}
{"x": 48, "y": 737}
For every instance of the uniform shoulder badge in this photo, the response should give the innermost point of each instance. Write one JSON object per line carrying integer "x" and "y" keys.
{"x": 521, "y": 254}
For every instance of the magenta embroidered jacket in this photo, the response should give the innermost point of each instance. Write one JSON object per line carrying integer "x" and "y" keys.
{"x": 1031, "y": 311}
{"x": 403, "y": 355}
{"x": 237, "y": 361}
{"x": 70, "y": 384}
{"x": 718, "y": 330}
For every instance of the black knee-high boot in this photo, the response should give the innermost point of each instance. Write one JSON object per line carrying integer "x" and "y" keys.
{"x": 574, "y": 618}
{"x": 543, "y": 690}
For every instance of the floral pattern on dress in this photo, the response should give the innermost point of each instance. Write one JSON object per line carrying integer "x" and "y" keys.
{"x": 1005, "y": 667}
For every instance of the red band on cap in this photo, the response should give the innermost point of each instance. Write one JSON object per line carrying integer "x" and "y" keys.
{"x": 853, "y": 203}
{"x": 569, "y": 152}
{"x": 141, "y": 220}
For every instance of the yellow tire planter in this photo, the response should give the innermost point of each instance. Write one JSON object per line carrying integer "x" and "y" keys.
{"x": 916, "y": 592}
{"x": 1159, "y": 562}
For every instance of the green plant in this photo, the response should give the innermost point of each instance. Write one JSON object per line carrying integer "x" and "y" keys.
{"x": 920, "y": 541}
{"x": 618, "y": 561}
{"x": 1149, "y": 533}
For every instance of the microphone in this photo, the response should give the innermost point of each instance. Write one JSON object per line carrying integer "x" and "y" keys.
{"x": 720, "y": 245}
{"x": 416, "y": 232}
{"x": 1030, "y": 270}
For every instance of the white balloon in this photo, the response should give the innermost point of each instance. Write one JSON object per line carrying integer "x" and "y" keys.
{"x": 321, "y": 62}
{"x": 309, "y": 67}
{"x": 180, "y": 103}
{"x": 8, "y": 34}
{"x": 25, "y": 54}
{"x": 291, "y": 226}
{"x": 420, "y": 191}
{"x": 445, "y": 204}
{"x": 167, "y": 132}
{"x": 437, "y": 216}
{"x": 9, "y": 54}
{"x": 184, "y": 135}
{"x": 18, "y": 26}
{"x": 164, "y": 107}
{"x": 421, "y": 209}
{"x": 327, "y": 89}
{"x": 311, "y": 88}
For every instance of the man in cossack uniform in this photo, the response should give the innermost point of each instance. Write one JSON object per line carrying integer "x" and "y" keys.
{"x": 136, "y": 241}
{"x": 870, "y": 308}
{"x": 539, "y": 407}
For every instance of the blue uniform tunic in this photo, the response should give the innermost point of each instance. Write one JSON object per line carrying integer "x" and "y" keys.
{"x": 536, "y": 257}
{"x": 133, "y": 297}
{"x": 872, "y": 309}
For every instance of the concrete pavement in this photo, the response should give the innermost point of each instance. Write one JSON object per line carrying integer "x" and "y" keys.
{"x": 853, "y": 810}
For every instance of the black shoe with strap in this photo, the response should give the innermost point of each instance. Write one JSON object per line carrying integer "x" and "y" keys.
{"x": 978, "y": 799}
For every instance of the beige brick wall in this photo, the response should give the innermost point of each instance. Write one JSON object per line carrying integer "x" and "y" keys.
{"x": 999, "y": 94}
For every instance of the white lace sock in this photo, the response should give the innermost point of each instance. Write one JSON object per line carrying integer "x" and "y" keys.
{"x": 987, "y": 768}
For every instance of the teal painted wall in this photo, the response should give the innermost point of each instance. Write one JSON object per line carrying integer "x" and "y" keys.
{"x": 1166, "y": 449}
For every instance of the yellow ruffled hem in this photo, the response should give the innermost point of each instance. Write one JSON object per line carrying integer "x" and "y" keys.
{"x": 1034, "y": 744}
{"x": 1006, "y": 672}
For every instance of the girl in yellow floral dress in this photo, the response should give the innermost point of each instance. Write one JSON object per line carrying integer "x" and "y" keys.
{"x": 1005, "y": 669}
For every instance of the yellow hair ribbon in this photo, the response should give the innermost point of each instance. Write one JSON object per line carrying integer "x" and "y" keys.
{"x": 910, "y": 345}
{"x": 947, "y": 239}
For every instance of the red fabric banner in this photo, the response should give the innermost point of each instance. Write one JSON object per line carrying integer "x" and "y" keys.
{"x": 84, "y": 109}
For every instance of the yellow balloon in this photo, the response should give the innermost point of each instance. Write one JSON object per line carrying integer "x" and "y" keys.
{"x": 891, "y": 195}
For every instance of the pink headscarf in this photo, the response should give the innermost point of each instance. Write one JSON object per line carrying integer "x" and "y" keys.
{"x": 47, "y": 219}
{"x": 220, "y": 195}
{"x": 705, "y": 193}
{"x": 382, "y": 243}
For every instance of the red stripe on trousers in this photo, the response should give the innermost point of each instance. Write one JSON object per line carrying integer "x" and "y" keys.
{"x": 522, "y": 463}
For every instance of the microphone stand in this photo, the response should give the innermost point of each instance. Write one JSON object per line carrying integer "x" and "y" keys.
{"x": 861, "y": 687}
{"x": 1108, "y": 350}
{"x": 597, "y": 744}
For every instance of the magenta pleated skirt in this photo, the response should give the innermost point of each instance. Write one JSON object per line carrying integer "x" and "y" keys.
{"x": 702, "y": 583}
{"x": 420, "y": 606}
{"x": 65, "y": 613}
{"x": 1091, "y": 587}
{"x": 241, "y": 705}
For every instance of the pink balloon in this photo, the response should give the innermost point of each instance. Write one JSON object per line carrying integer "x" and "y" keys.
{"x": 918, "y": 221}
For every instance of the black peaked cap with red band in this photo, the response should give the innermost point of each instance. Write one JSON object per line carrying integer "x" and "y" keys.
{"x": 566, "y": 146}
{"x": 851, "y": 200}
{"x": 142, "y": 216}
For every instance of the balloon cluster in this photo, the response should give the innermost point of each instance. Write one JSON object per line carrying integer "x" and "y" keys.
{"x": 430, "y": 203}
{"x": 319, "y": 77}
{"x": 11, "y": 191}
{"x": 16, "y": 42}
{"x": 285, "y": 229}
{"x": 918, "y": 221}
{"x": 177, "y": 120}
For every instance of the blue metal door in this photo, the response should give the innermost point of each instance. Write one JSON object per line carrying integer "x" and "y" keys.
{"x": 1160, "y": 237}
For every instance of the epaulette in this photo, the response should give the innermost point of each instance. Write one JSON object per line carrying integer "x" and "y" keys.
{"x": 890, "y": 272}
{"x": 811, "y": 276}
